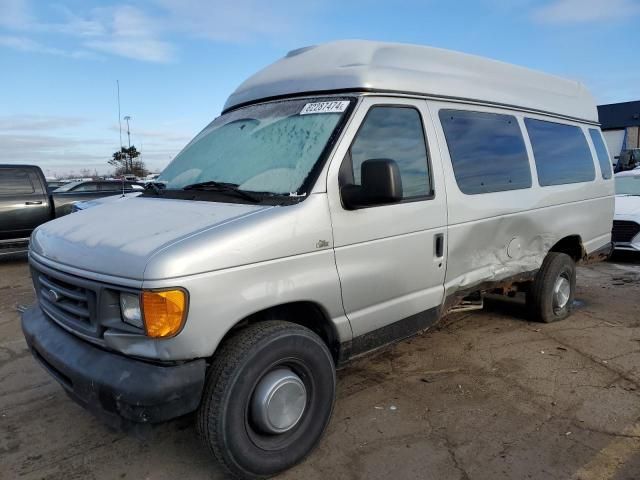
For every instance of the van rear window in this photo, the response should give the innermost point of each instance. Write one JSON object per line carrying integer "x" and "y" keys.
{"x": 601, "y": 152}
{"x": 487, "y": 151}
{"x": 561, "y": 153}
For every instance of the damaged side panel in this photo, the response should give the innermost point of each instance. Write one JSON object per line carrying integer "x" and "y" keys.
{"x": 502, "y": 237}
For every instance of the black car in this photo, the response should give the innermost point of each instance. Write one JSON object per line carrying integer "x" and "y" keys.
{"x": 26, "y": 201}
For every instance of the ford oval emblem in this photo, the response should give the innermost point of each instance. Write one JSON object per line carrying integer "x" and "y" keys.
{"x": 53, "y": 295}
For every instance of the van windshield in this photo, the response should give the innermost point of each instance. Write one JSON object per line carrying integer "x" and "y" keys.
{"x": 271, "y": 147}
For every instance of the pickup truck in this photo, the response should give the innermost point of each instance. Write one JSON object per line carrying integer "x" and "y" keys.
{"x": 26, "y": 202}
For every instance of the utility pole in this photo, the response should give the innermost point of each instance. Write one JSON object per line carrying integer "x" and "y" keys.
{"x": 119, "y": 115}
{"x": 127, "y": 118}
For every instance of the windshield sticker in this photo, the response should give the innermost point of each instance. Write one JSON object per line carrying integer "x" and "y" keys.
{"x": 324, "y": 107}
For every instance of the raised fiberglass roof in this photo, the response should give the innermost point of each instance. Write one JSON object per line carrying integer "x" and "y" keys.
{"x": 366, "y": 65}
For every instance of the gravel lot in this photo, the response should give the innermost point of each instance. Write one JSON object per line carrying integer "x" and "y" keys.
{"x": 485, "y": 395}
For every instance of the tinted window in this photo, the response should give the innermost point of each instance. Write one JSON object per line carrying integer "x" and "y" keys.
{"x": 487, "y": 151}
{"x": 561, "y": 153}
{"x": 112, "y": 186}
{"x": 601, "y": 152}
{"x": 395, "y": 133}
{"x": 86, "y": 187}
{"x": 15, "y": 182}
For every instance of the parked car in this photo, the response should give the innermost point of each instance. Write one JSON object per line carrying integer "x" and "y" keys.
{"x": 26, "y": 202}
{"x": 67, "y": 195}
{"x": 626, "y": 222}
{"x": 627, "y": 160}
{"x": 53, "y": 184}
{"x": 348, "y": 196}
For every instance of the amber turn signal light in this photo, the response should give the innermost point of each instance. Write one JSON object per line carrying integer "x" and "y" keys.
{"x": 164, "y": 312}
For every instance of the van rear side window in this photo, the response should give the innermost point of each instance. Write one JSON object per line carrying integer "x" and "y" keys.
{"x": 601, "y": 152}
{"x": 561, "y": 153}
{"x": 487, "y": 151}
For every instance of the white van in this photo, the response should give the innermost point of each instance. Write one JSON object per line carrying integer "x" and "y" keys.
{"x": 348, "y": 196}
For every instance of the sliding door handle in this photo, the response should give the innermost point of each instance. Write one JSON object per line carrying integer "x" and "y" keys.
{"x": 38, "y": 202}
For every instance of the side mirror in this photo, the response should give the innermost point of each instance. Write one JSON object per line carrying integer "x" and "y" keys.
{"x": 381, "y": 184}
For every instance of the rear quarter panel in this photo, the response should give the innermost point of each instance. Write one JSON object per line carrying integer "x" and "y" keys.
{"x": 494, "y": 236}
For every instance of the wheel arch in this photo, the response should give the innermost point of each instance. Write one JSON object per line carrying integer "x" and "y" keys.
{"x": 306, "y": 313}
{"x": 571, "y": 245}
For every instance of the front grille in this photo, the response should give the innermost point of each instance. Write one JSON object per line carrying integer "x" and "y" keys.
{"x": 66, "y": 300}
{"x": 624, "y": 231}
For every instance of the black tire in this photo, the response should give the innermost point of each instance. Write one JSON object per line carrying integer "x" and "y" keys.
{"x": 224, "y": 419}
{"x": 540, "y": 298}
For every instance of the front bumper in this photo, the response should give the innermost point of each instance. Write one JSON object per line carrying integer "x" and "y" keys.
{"x": 112, "y": 385}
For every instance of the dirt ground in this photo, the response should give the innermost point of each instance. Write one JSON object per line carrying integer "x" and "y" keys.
{"x": 485, "y": 395}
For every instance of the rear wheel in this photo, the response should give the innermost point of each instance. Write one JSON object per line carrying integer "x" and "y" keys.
{"x": 552, "y": 292}
{"x": 268, "y": 398}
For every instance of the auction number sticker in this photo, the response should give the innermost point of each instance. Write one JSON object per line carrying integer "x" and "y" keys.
{"x": 325, "y": 107}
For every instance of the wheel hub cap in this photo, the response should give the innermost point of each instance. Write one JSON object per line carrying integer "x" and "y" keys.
{"x": 561, "y": 292}
{"x": 278, "y": 401}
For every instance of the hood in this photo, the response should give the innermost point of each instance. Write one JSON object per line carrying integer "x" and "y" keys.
{"x": 627, "y": 205}
{"x": 119, "y": 238}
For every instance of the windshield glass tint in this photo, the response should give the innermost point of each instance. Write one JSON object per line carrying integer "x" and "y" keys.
{"x": 628, "y": 185}
{"x": 262, "y": 148}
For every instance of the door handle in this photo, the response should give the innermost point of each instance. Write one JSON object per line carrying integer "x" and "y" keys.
{"x": 438, "y": 245}
{"x": 37, "y": 202}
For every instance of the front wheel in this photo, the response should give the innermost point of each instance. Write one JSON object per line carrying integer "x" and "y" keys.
{"x": 552, "y": 292}
{"x": 268, "y": 398}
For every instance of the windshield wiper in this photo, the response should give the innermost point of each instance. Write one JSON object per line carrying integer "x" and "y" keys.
{"x": 213, "y": 186}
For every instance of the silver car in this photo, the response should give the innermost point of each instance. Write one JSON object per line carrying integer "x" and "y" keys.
{"x": 349, "y": 196}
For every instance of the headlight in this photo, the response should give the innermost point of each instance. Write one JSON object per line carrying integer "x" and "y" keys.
{"x": 160, "y": 312}
{"x": 164, "y": 312}
{"x": 130, "y": 306}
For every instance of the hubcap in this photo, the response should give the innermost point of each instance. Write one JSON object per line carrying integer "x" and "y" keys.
{"x": 561, "y": 292}
{"x": 279, "y": 401}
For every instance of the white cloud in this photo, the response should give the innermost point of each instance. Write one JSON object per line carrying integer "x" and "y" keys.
{"x": 128, "y": 32}
{"x": 583, "y": 11}
{"x": 121, "y": 30}
{"x": 25, "y": 44}
{"x": 238, "y": 21}
{"x": 38, "y": 122}
{"x": 144, "y": 34}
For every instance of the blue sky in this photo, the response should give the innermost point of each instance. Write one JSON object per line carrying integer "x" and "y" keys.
{"x": 178, "y": 60}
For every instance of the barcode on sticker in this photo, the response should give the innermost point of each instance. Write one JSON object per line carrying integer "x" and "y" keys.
{"x": 324, "y": 107}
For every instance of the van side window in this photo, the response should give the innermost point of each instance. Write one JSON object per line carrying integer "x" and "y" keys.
{"x": 601, "y": 152}
{"x": 15, "y": 182}
{"x": 487, "y": 151}
{"x": 561, "y": 153}
{"x": 395, "y": 133}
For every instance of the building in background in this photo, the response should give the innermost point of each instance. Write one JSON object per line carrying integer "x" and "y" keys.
{"x": 620, "y": 123}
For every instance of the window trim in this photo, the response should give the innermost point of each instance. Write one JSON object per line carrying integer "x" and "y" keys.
{"x": 530, "y": 162}
{"x": 587, "y": 142}
{"x": 419, "y": 198}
